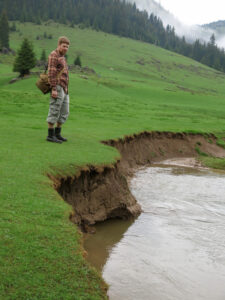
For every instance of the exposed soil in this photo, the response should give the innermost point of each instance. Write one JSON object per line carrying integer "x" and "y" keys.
{"x": 100, "y": 193}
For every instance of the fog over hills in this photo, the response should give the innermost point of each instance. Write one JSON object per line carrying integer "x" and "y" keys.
{"x": 191, "y": 33}
{"x": 219, "y": 28}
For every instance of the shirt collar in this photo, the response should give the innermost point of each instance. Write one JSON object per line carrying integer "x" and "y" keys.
{"x": 57, "y": 51}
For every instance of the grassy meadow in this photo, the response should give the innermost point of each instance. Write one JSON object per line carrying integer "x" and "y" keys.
{"x": 137, "y": 87}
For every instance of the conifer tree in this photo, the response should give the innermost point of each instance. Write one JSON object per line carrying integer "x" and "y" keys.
{"x": 77, "y": 61}
{"x": 43, "y": 56}
{"x": 4, "y": 31}
{"x": 25, "y": 59}
{"x": 212, "y": 40}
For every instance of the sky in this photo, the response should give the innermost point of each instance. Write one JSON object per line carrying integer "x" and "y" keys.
{"x": 192, "y": 12}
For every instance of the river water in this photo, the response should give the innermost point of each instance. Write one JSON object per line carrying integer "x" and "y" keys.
{"x": 176, "y": 248}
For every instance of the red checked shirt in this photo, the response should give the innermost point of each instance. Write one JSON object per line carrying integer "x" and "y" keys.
{"x": 56, "y": 63}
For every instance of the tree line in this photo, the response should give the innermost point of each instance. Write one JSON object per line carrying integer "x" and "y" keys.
{"x": 4, "y": 31}
{"x": 116, "y": 17}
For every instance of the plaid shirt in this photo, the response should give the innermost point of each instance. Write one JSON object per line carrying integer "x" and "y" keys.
{"x": 56, "y": 63}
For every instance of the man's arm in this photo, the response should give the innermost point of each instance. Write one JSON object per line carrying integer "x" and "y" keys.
{"x": 52, "y": 73}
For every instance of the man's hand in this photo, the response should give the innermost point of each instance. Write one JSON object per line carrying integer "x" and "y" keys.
{"x": 54, "y": 94}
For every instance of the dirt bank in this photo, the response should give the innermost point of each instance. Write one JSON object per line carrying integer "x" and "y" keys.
{"x": 100, "y": 193}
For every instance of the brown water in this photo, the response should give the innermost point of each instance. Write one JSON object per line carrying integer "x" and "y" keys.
{"x": 176, "y": 248}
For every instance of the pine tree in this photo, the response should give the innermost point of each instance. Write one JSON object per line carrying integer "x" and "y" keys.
{"x": 212, "y": 40}
{"x": 25, "y": 59}
{"x": 43, "y": 56}
{"x": 196, "y": 52}
{"x": 77, "y": 61}
{"x": 4, "y": 31}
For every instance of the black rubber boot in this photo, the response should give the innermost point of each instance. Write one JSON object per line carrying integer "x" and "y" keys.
{"x": 58, "y": 134}
{"x": 51, "y": 136}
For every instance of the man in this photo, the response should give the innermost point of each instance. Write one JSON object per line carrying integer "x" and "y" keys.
{"x": 58, "y": 78}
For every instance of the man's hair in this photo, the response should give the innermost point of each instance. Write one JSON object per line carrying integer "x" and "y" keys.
{"x": 63, "y": 40}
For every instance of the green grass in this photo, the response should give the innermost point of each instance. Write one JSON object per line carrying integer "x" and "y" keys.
{"x": 212, "y": 162}
{"x": 201, "y": 153}
{"x": 40, "y": 253}
{"x": 221, "y": 143}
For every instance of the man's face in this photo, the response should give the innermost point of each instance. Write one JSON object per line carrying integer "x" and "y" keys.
{"x": 63, "y": 48}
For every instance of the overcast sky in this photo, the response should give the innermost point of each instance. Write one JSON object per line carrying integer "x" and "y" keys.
{"x": 195, "y": 11}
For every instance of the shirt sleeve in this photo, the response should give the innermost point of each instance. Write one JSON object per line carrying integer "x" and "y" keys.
{"x": 52, "y": 70}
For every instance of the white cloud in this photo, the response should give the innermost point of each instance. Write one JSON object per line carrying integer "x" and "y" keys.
{"x": 195, "y": 11}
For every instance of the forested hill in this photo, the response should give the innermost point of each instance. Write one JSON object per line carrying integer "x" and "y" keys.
{"x": 112, "y": 16}
{"x": 117, "y": 17}
{"x": 219, "y": 26}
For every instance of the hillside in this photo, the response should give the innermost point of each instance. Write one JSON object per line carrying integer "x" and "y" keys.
{"x": 122, "y": 19}
{"x": 219, "y": 26}
{"x": 137, "y": 87}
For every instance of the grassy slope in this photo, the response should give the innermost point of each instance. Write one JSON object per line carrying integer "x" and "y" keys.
{"x": 40, "y": 249}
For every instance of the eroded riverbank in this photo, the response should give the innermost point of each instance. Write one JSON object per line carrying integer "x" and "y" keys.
{"x": 92, "y": 192}
{"x": 98, "y": 193}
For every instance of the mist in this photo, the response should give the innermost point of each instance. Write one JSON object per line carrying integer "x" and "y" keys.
{"x": 191, "y": 33}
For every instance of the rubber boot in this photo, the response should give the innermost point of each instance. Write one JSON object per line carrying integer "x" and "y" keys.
{"x": 58, "y": 134}
{"x": 51, "y": 136}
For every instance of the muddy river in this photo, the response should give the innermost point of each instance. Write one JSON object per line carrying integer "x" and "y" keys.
{"x": 176, "y": 248}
